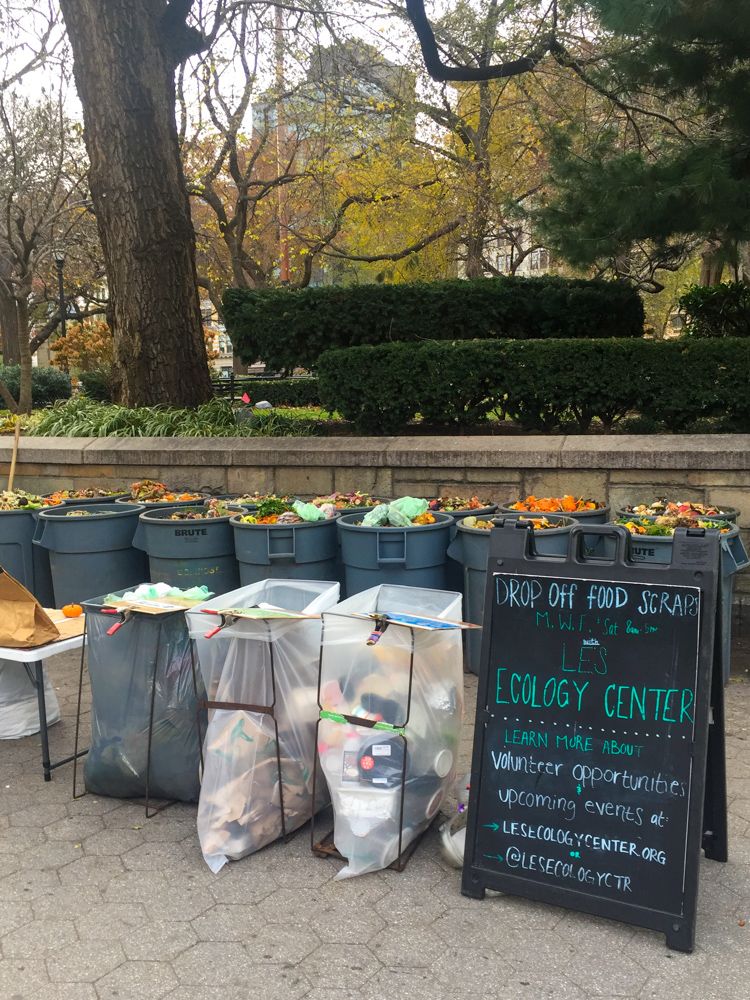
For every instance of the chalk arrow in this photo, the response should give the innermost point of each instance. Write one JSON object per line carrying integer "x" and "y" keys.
{"x": 495, "y": 857}
{"x": 492, "y": 826}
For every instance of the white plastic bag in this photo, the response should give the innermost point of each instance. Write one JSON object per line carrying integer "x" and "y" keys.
{"x": 19, "y": 705}
{"x": 365, "y": 768}
{"x": 240, "y": 806}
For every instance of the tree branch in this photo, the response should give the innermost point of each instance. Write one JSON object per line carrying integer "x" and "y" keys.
{"x": 425, "y": 241}
{"x": 443, "y": 72}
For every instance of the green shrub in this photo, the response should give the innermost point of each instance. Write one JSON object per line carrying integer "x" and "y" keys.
{"x": 47, "y": 384}
{"x": 717, "y": 310}
{"x": 542, "y": 385}
{"x": 97, "y": 384}
{"x": 290, "y": 328}
{"x": 278, "y": 391}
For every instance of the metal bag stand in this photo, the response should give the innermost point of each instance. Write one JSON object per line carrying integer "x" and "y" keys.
{"x": 124, "y": 617}
{"x": 269, "y": 710}
{"x": 325, "y": 847}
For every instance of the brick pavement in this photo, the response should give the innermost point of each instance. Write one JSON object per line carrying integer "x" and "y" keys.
{"x": 99, "y": 903}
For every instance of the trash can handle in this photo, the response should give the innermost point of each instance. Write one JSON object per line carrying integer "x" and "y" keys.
{"x": 384, "y": 560}
{"x": 734, "y": 556}
{"x": 578, "y": 532}
{"x": 39, "y": 528}
{"x": 139, "y": 540}
{"x": 281, "y": 555}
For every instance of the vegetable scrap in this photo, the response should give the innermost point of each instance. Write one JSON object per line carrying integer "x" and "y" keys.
{"x": 253, "y": 499}
{"x": 555, "y": 505}
{"x": 346, "y": 501}
{"x": 671, "y": 508}
{"x": 665, "y": 526}
{"x": 21, "y": 500}
{"x": 149, "y": 491}
{"x": 87, "y": 494}
{"x": 84, "y": 513}
{"x": 451, "y": 504}
{"x": 276, "y": 511}
{"x": 212, "y": 509}
{"x": 537, "y": 523}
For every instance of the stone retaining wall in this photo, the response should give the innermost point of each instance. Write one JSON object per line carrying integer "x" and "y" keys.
{"x": 620, "y": 469}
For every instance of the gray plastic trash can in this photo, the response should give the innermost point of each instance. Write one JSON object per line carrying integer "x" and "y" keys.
{"x": 306, "y": 551}
{"x": 19, "y": 557}
{"x": 93, "y": 554}
{"x": 414, "y": 557}
{"x": 189, "y": 553}
{"x": 471, "y": 548}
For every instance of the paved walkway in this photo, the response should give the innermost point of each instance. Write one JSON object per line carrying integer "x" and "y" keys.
{"x": 98, "y": 902}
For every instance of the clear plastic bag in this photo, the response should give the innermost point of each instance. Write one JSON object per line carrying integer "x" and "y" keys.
{"x": 240, "y": 806}
{"x": 366, "y": 769}
{"x": 121, "y": 668}
{"x": 19, "y": 705}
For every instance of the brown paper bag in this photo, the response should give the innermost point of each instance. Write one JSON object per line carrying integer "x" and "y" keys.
{"x": 23, "y": 621}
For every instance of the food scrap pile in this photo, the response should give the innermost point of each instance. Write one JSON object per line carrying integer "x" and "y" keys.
{"x": 253, "y": 499}
{"x": 555, "y": 505}
{"x": 212, "y": 509}
{"x": 276, "y": 511}
{"x": 670, "y": 508}
{"x": 88, "y": 494}
{"x": 451, "y": 504}
{"x": 21, "y": 500}
{"x": 347, "y": 501}
{"x": 665, "y": 526}
{"x": 402, "y": 513}
{"x": 537, "y": 523}
{"x": 149, "y": 491}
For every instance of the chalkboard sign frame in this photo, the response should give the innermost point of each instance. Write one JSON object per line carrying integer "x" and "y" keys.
{"x": 695, "y": 562}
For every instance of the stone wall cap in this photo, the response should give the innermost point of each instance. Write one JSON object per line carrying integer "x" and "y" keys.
{"x": 656, "y": 451}
{"x": 579, "y": 451}
{"x": 64, "y": 450}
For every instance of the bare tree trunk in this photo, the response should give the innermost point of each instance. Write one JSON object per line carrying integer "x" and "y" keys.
{"x": 8, "y": 326}
{"x": 24, "y": 390}
{"x": 125, "y": 56}
{"x": 712, "y": 267}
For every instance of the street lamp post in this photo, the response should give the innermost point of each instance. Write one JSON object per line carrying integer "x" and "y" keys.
{"x": 59, "y": 255}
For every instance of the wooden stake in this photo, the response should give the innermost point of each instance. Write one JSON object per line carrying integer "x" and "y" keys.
{"x": 14, "y": 456}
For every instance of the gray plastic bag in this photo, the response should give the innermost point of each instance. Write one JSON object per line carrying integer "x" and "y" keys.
{"x": 121, "y": 668}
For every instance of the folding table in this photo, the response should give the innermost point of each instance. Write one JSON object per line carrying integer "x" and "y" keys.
{"x": 36, "y": 657}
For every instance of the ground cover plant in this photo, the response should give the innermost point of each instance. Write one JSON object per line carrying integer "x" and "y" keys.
{"x": 84, "y": 417}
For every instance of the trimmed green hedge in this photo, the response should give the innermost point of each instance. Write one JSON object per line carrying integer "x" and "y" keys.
{"x": 291, "y": 328}
{"x": 718, "y": 310}
{"x": 47, "y": 384}
{"x": 542, "y": 385}
{"x": 278, "y": 391}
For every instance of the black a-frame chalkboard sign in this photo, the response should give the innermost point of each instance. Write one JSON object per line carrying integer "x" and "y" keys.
{"x": 600, "y": 704}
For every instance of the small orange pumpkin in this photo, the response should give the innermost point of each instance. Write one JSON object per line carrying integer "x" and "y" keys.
{"x": 72, "y": 610}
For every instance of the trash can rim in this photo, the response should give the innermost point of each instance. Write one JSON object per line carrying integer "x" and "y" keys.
{"x": 122, "y": 510}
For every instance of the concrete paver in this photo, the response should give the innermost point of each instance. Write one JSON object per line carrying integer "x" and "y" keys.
{"x": 99, "y": 903}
